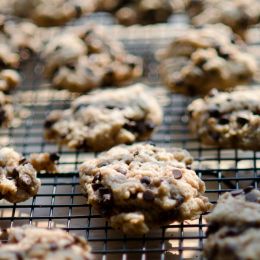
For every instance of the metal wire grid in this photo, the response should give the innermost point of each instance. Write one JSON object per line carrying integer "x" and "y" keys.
{"x": 59, "y": 202}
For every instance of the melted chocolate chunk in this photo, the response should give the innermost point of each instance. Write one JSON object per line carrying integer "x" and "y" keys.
{"x": 145, "y": 180}
{"x": 104, "y": 190}
{"x": 71, "y": 66}
{"x": 23, "y": 161}
{"x": 78, "y": 11}
{"x": 2, "y": 116}
{"x": 177, "y": 174}
{"x": 49, "y": 123}
{"x": 242, "y": 120}
{"x": 223, "y": 120}
{"x": 96, "y": 178}
{"x": 140, "y": 127}
{"x": 214, "y": 112}
{"x": 96, "y": 186}
{"x": 54, "y": 157}
{"x": 53, "y": 246}
{"x": 148, "y": 195}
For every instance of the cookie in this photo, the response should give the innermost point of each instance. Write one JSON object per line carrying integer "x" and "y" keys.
{"x": 100, "y": 120}
{"x": 227, "y": 120}
{"x": 141, "y": 186}
{"x": 9, "y": 62}
{"x": 44, "y": 162}
{"x": 234, "y": 227}
{"x": 6, "y": 109}
{"x": 28, "y": 242}
{"x": 88, "y": 59}
{"x": 237, "y": 14}
{"x": 18, "y": 180}
{"x": 130, "y": 12}
{"x": 50, "y": 13}
{"x": 25, "y": 38}
{"x": 205, "y": 58}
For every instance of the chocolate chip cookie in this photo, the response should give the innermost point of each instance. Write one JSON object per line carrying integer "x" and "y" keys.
{"x": 141, "y": 186}
{"x": 9, "y": 61}
{"x": 44, "y": 162}
{"x": 51, "y": 12}
{"x": 234, "y": 227}
{"x": 228, "y": 120}
{"x": 102, "y": 119}
{"x": 18, "y": 180}
{"x": 6, "y": 110}
{"x": 89, "y": 59}
{"x": 205, "y": 58}
{"x": 129, "y": 12}
{"x": 237, "y": 14}
{"x": 28, "y": 242}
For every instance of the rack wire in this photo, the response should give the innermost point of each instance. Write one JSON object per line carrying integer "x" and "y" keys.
{"x": 60, "y": 203}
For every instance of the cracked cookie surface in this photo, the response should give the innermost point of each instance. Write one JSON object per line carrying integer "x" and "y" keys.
{"x": 141, "y": 186}
{"x": 48, "y": 13}
{"x": 234, "y": 227}
{"x": 102, "y": 119}
{"x": 18, "y": 180}
{"x": 28, "y": 242}
{"x": 227, "y": 120}
{"x": 205, "y": 58}
{"x": 129, "y": 12}
{"x": 237, "y": 14}
{"x": 89, "y": 59}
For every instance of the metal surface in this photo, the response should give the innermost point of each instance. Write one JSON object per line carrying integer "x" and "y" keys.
{"x": 59, "y": 202}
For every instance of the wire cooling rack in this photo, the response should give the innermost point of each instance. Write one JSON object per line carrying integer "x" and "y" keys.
{"x": 59, "y": 202}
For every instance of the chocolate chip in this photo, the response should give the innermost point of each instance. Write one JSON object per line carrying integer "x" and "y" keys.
{"x": 71, "y": 66}
{"x": 49, "y": 123}
{"x": 97, "y": 177}
{"x": 177, "y": 174}
{"x": 213, "y": 228}
{"x": 54, "y": 157}
{"x": 145, "y": 180}
{"x": 104, "y": 190}
{"x": 248, "y": 189}
{"x": 78, "y": 11}
{"x": 223, "y": 120}
{"x": 96, "y": 186}
{"x": 214, "y": 112}
{"x": 132, "y": 65}
{"x": 251, "y": 197}
{"x": 2, "y": 116}
{"x": 133, "y": 195}
{"x": 235, "y": 193}
{"x": 242, "y": 120}
{"x": 53, "y": 246}
{"x": 148, "y": 195}
{"x": 23, "y": 161}
{"x": 179, "y": 83}
{"x": 179, "y": 199}
{"x": 15, "y": 173}
{"x": 139, "y": 126}
{"x": 19, "y": 256}
{"x": 58, "y": 47}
